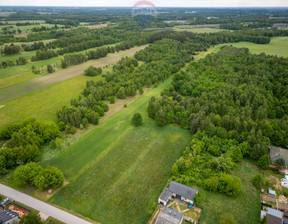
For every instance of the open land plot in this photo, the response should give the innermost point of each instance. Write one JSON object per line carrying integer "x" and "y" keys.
{"x": 21, "y": 89}
{"x": 245, "y": 208}
{"x": 117, "y": 171}
{"x": 278, "y": 46}
{"x": 43, "y": 104}
{"x": 19, "y": 74}
{"x": 199, "y": 29}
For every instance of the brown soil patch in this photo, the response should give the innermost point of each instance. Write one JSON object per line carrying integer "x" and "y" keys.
{"x": 276, "y": 182}
{"x": 282, "y": 199}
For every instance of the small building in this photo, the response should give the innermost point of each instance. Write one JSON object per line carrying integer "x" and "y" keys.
{"x": 278, "y": 153}
{"x": 180, "y": 191}
{"x": 8, "y": 217}
{"x": 272, "y": 192}
{"x": 169, "y": 216}
{"x": 273, "y": 216}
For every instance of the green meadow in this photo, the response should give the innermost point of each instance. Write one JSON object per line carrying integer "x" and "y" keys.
{"x": 278, "y": 46}
{"x": 117, "y": 171}
{"x": 245, "y": 207}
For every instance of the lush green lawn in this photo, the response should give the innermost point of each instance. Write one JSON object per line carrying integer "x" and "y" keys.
{"x": 278, "y": 46}
{"x": 42, "y": 104}
{"x": 117, "y": 171}
{"x": 245, "y": 208}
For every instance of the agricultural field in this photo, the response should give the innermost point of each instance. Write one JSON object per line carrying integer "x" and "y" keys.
{"x": 24, "y": 88}
{"x": 44, "y": 97}
{"x": 216, "y": 205}
{"x": 123, "y": 169}
{"x": 19, "y": 74}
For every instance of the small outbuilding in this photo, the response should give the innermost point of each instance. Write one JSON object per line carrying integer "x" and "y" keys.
{"x": 8, "y": 217}
{"x": 169, "y": 216}
{"x": 272, "y": 192}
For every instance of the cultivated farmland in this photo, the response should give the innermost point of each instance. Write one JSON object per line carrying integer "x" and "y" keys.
{"x": 118, "y": 171}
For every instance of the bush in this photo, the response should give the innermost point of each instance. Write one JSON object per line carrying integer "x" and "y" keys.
{"x": 112, "y": 99}
{"x": 264, "y": 162}
{"x": 137, "y": 119}
{"x": 31, "y": 218}
{"x": 25, "y": 174}
{"x": 92, "y": 71}
{"x": 21, "y": 61}
{"x": 50, "y": 177}
{"x": 258, "y": 181}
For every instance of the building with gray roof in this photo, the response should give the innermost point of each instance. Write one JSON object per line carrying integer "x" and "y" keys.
{"x": 273, "y": 216}
{"x": 278, "y": 153}
{"x": 8, "y": 217}
{"x": 180, "y": 191}
{"x": 169, "y": 216}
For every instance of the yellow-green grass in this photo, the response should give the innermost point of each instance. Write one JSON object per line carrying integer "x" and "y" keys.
{"x": 278, "y": 46}
{"x": 200, "y": 30}
{"x": 117, "y": 171}
{"x": 245, "y": 208}
{"x": 19, "y": 74}
{"x": 24, "y": 88}
{"x": 43, "y": 104}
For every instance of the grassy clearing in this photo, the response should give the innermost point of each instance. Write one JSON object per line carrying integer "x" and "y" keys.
{"x": 200, "y": 30}
{"x": 278, "y": 46}
{"x": 245, "y": 208}
{"x": 43, "y": 104}
{"x": 118, "y": 170}
{"x": 18, "y": 74}
{"x": 22, "y": 89}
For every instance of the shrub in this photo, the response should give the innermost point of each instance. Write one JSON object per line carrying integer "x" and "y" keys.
{"x": 137, "y": 119}
{"x": 258, "y": 181}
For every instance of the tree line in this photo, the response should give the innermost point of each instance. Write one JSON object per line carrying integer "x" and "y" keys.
{"x": 233, "y": 98}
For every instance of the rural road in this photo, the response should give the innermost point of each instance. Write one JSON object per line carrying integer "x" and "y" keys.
{"x": 22, "y": 89}
{"x": 41, "y": 206}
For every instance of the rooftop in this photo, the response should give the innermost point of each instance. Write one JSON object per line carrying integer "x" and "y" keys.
{"x": 7, "y": 215}
{"x": 169, "y": 216}
{"x": 183, "y": 190}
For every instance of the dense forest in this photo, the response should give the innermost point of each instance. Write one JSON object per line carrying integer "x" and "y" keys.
{"x": 236, "y": 105}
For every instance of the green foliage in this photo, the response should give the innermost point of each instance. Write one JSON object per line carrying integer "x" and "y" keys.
{"x": 21, "y": 61}
{"x": 137, "y": 119}
{"x": 112, "y": 99}
{"x": 227, "y": 219}
{"x": 31, "y": 218}
{"x": 25, "y": 174}
{"x": 258, "y": 181}
{"x": 50, "y": 69}
{"x": 264, "y": 162}
{"x": 51, "y": 177}
{"x": 24, "y": 140}
{"x": 280, "y": 163}
{"x": 92, "y": 71}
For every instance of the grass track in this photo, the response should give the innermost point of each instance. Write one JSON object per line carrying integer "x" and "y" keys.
{"x": 117, "y": 171}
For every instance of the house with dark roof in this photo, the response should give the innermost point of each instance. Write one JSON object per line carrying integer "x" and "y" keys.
{"x": 169, "y": 216}
{"x": 273, "y": 216}
{"x": 180, "y": 191}
{"x": 8, "y": 217}
{"x": 278, "y": 153}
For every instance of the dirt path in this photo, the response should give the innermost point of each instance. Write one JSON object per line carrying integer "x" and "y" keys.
{"x": 21, "y": 89}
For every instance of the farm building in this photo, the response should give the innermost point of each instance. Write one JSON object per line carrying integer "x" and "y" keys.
{"x": 272, "y": 192}
{"x": 180, "y": 191}
{"x": 169, "y": 216}
{"x": 273, "y": 216}
{"x": 278, "y": 153}
{"x": 8, "y": 217}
